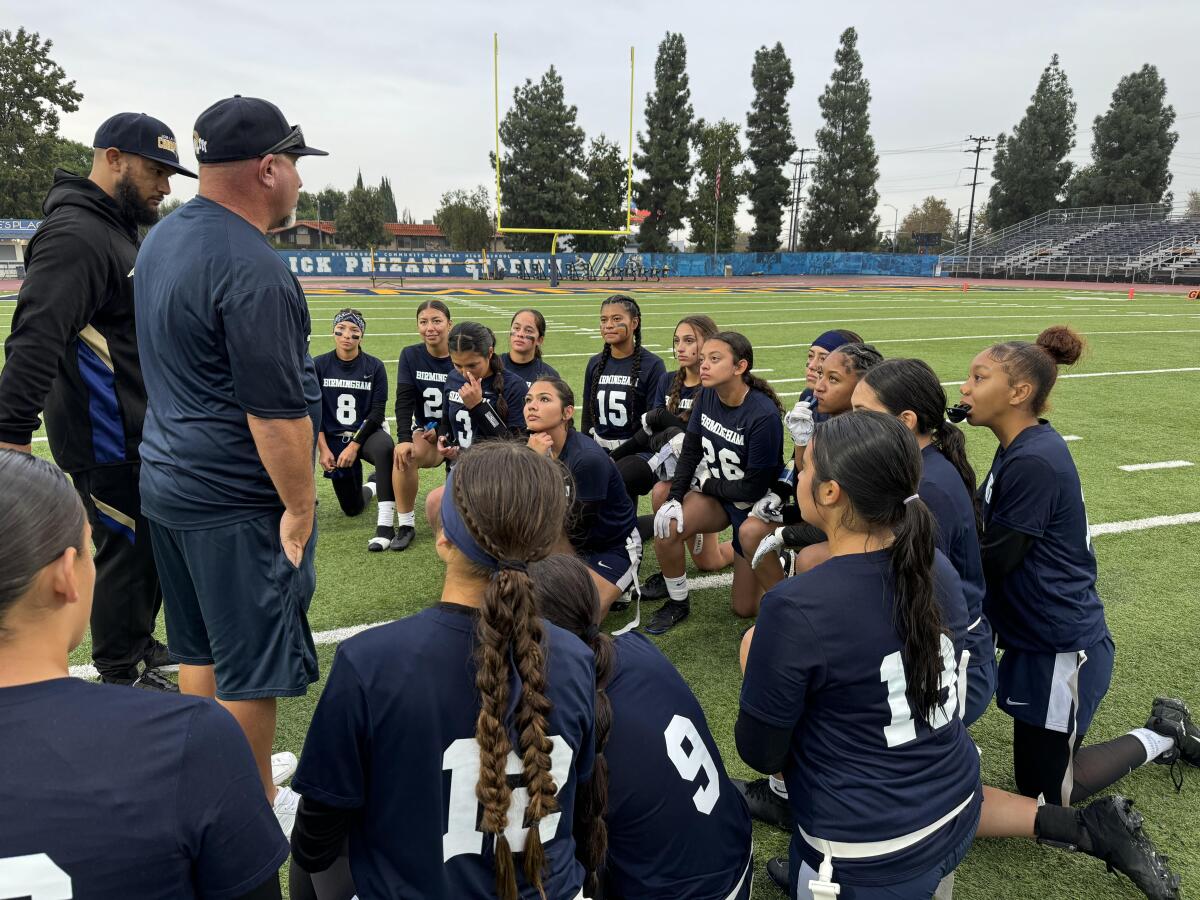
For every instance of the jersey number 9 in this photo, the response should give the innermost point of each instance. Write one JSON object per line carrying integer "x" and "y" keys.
{"x": 691, "y": 763}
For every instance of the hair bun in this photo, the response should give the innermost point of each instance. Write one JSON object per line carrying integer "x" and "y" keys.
{"x": 1063, "y": 344}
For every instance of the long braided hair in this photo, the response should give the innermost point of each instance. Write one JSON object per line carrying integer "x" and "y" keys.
{"x": 635, "y": 312}
{"x": 509, "y": 629}
{"x": 740, "y": 345}
{"x": 566, "y": 596}
{"x": 704, "y": 327}
{"x": 472, "y": 337}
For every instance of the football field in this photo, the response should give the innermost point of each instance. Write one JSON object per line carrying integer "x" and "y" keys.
{"x": 1130, "y": 408}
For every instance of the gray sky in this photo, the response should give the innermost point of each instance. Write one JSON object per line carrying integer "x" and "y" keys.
{"x": 405, "y": 89}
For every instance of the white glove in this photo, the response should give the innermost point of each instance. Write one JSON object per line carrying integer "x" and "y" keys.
{"x": 671, "y": 511}
{"x": 676, "y": 444}
{"x": 769, "y": 508}
{"x": 701, "y": 475}
{"x": 800, "y": 423}
{"x": 646, "y": 425}
{"x": 770, "y": 544}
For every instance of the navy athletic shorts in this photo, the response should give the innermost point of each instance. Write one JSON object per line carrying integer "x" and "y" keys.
{"x": 1055, "y": 691}
{"x": 737, "y": 516}
{"x": 618, "y": 565}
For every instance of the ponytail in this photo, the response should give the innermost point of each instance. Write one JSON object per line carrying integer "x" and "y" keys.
{"x": 916, "y": 613}
{"x": 1037, "y": 363}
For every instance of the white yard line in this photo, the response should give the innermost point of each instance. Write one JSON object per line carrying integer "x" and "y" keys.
{"x": 1146, "y": 467}
{"x": 1072, "y": 437}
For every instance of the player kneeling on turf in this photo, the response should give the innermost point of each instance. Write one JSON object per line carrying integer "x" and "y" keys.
{"x": 354, "y": 395}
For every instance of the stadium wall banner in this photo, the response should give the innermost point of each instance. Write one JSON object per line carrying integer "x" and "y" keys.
{"x": 18, "y": 229}
{"x": 464, "y": 264}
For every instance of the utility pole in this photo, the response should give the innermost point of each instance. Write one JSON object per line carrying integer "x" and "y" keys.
{"x": 798, "y": 179}
{"x": 979, "y": 148}
{"x": 717, "y": 206}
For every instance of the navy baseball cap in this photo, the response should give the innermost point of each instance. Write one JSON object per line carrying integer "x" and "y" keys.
{"x": 141, "y": 135}
{"x": 246, "y": 128}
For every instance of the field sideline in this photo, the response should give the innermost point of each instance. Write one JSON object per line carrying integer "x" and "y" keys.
{"x": 1133, "y": 400}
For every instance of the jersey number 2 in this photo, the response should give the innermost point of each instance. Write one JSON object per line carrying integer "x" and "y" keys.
{"x": 34, "y": 876}
{"x": 462, "y": 760}
{"x": 691, "y": 763}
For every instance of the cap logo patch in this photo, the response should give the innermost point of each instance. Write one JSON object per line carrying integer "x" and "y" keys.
{"x": 166, "y": 143}
{"x": 199, "y": 144}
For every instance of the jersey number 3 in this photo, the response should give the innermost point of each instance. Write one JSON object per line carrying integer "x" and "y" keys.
{"x": 34, "y": 876}
{"x": 462, "y": 760}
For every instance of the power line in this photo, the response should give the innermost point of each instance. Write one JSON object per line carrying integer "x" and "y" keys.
{"x": 979, "y": 148}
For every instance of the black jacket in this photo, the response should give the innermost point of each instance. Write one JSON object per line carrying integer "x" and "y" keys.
{"x": 72, "y": 352}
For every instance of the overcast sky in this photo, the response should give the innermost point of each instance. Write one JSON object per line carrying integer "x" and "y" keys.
{"x": 405, "y": 89}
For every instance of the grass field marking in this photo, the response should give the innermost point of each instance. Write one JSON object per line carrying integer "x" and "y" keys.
{"x": 1071, "y": 437}
{"x": 1144, "y": 524}
{"x": 1146, "y": 467}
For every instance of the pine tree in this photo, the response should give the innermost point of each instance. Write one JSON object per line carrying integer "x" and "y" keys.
{"x": 664, "y": 157}
{"x": 360, "y": 220}
{"x": 1030, "y": 166}
{"x": 359, "y": 183}
{"x": 717, "y": 145}
{"x": 540, "y": 182}
{"x": 1131, "y": 146}
{"x": 606, "y": 176}
{"x": 388, "y": 199}
{"x": 769, "y": 131}
{"x": 843, "y": 198}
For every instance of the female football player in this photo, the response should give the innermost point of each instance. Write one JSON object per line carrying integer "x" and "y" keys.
{"x": 90, "y": 786}
{"x": 526, "y": 334}
{"x": 1041, "y": 587}
{"x": 909, "y": 389}
{"x": 620, "y": 383}
{"x": 601, "y": 523}
{"x": 851, "y": 678}
{"x": 734, "y": 448}
{"x": 354, "y": 395}
{"x": 449, "y": 746}
{"x": 420, "y": 380}
{"x": 659, "y": 817}
{"x": 825, "y": 344}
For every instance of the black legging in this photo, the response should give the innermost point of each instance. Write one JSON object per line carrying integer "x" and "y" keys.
{"x": 335, "y": 883}
{"x": 347, "y": 486}
{"x": 1041, "y": 757}
{"x": 638, "y": 477}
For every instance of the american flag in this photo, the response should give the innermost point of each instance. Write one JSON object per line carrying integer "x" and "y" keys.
{"x": 718, "y": 194}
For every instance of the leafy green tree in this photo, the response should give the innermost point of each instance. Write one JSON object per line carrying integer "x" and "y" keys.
{"x": 1030, "y": 166}
{"x": 465, "y": 218}
{"x": 330, "y": 202}
{"x": 33, "y": 91}
{"x": 388, "y": 199}
{"x": 717, "y": 146}
{"x": 931, "y": 216}
{"x": 169, "y": 206}
{"x": 306, "y": 205}
{"x": 606, "y": 178}
{"x": 406, "y": 217}
{"x": 665, "y": 149}
{"x": 1193, "y": 204}
{"x": 1131, "y": 146}
{"x": 769, "y": 132}
{"x": 360, "y": 221}
{"x": 843, "y": 198}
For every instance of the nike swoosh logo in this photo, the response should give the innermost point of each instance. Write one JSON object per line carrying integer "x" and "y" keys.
{"x": 602, "y": 565}
{"x": 1011, "y": 702}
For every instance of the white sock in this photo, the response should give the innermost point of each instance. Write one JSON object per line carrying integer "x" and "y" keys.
{"x": 778, "y": 787}
{"x": 372, "y": 487}
{"x": 408, "y": 518}
{"x": 1156, "y": 744}
{"x": 677, "y": 588}
{"x": 387, "y": 513}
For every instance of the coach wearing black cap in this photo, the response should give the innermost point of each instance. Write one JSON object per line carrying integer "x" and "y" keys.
{"x": 72, "y": 356}
{"x": 227, "y": 474}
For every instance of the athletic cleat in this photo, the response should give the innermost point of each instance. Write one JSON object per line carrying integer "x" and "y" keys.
{"x": 668, "y": 616}
{"x": 157, "y": 656}
{"x": 287, "y": 803}
{"x": 151, "y": 680}
{"x": 384, "y": 535}
{"x": 780, "y": 871}
{"x": 654, "y": 587}
{"x": 1171, "y": 718}
{"x": 283, "y": 767}
{"x": 1117, "y": 839}
{"x": 404, "y": 537}
{"x": 764, "y": 804}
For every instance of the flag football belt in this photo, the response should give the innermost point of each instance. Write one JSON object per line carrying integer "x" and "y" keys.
{"x": 346, "y": 436}
{"x": 824, "y": 886}
{"x": 605, "y": 442}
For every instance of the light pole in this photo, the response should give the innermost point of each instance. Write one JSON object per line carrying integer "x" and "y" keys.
{"x": 895, "y": 225}
{"x": 319, "y": 243}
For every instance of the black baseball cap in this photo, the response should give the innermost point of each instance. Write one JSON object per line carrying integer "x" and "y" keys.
{"x": 246, "y": 128}
{"x": 141, "y": 135}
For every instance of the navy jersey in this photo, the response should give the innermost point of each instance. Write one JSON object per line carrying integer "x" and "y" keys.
{"x": 737, "y": 439}
{"x": 461, "y": 424}
{"x": 615, "y": 410}
{"x": 350, "y": 391}
{"x": 1049, "y": 602}
{"x": 427, "y": 374}
{"x": 826, "y": 661}
{"x": 687, "y": 395}
{"x": 534, "y": 370}
{"x": 598, "y": 483}
{"x": 109, "y": 794}
{"x": 677, "y": 827}
{"x": 393, "y": 737}
{"x": 943, "y": 491}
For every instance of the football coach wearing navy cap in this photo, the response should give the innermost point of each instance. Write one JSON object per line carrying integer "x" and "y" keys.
{"x": 72, "y": 357}
{"x": 227, "y": 453}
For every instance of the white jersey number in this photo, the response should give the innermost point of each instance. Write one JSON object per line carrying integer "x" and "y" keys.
{"x": 462, "y": 760}
{"x": 903, "y": 728}
{"x": 721, "y": 465}
{"x": 612, "y": 408}
{"x": 433, "y": 404}
{"x": 34, "y": 876}
{"x": 465, "y": 433}
{"x": 690, "y": 764}
{"x": 347, "y": 410}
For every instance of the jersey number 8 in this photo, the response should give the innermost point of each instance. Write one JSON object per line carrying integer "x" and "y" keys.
{"x": 347, "y": 411}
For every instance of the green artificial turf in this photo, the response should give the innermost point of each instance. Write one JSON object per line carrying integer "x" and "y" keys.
{"x": 1149, "y": 579}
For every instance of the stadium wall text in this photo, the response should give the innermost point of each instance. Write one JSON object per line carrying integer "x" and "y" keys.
{"x": 435, "y": 264}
